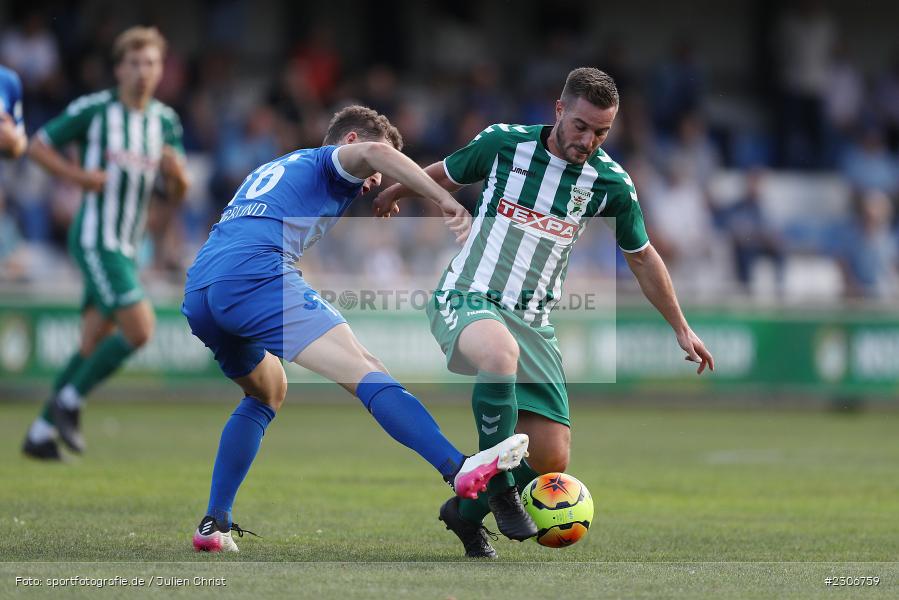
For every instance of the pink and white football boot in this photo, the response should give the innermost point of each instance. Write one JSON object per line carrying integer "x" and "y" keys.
{"x": 477, "y": 470}
{"x": 214, "y": 536}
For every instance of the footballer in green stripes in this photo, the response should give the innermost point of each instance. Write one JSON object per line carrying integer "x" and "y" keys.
{"x": 125, "y": 138}
{"x": 542, "y": 185}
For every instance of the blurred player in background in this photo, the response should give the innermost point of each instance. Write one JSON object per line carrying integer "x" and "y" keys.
{"x": 12, "y": 125}
{"x": 125, "y": 138}
{"x": 490, "y": 313}
{"x": 246, "y": 300}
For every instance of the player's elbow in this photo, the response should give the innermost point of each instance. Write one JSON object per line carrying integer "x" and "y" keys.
{"x": 37, "y": 149}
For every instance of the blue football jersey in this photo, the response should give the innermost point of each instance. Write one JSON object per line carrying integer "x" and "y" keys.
{"x": 281, "y": 209}
{"x": 11, "y": 95}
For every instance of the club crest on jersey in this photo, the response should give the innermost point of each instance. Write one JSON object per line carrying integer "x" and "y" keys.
{"x": 539, "y": 224}
{"x": 580, "y": 196}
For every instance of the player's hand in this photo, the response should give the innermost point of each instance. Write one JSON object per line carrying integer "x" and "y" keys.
{"x": 170, "y": 162}
{"x": 696, "y": 350}
{"x": 9, "y": 133}
{"x": 92, "y": 181}
{"x": 386, "y": 203}
{"x": 456, "y": 218}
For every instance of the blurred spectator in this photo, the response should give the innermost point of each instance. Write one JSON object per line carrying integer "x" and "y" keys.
{"x": 804, "y": 42}
{"x": 482, "y": 92}
{"x": 317, "y": 63}
{"x": 867, "y": 164}
{"x": 676, "y": 88}
{"x": 243, "y": 149}
{"x": 870, "y": 253}
{"x": 380, "y": 89}
{"x": 752, "y": 235}
{"x": 615, "y": 59}
{"x": 679, "y": 222}
{"x": 843, "y": 99}
{"x": 692, "y": 149}
{"x": 31, "y": 51}
{"x": 886, "y": 101}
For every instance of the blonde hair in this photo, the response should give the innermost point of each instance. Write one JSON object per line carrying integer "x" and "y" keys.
{"x": 136, "y": 38}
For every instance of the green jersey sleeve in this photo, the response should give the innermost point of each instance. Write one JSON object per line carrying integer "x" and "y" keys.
{"x": 172, "y": 133}
{"x": 473, "y": 162}
{"x": 72, "y": 124}
{"x": 624, "y": 215}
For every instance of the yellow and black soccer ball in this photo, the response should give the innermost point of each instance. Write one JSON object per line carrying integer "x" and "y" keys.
{"x": 561, "y": 507}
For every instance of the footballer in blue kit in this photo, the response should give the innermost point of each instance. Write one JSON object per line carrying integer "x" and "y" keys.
{"x": 12, "y": 125}
{"x": 246, "y": 300}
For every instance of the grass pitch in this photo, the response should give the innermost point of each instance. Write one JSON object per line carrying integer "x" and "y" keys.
{"x": 690, "y": 503}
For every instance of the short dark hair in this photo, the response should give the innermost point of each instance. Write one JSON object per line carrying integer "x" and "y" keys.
{"x": 367, "y": 123}
{"x": 595, "y": 86}
{"x": 136, "y": 38}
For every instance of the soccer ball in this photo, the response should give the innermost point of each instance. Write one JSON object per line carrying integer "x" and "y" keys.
{"x": 561, "y": 507}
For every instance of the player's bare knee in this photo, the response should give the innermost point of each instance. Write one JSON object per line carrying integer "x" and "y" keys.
{"x": 139, "y": 337}
{"x": 270, "y": 394}
{"x": 500, "y": 358}
{"x": 281, "y": 392}
{"x": 554, "y": 461}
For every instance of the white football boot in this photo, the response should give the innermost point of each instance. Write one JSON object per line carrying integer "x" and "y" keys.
{"x": 477, "y": 470}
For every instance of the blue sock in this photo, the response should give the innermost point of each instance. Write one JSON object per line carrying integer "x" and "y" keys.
{"x": 238, "y": 447}
{"x": 407, "y": 421}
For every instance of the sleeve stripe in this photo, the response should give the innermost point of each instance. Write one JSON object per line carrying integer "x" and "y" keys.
{"x": 341, "y": 170}
{"x": 446, "y": 170}
{"x": 42, "y": 136}
{"x": 635, "y": 250}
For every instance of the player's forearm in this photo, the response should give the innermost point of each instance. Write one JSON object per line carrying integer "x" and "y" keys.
{"x": 655, "y": 282}
{"x": 54, "y": 162}
{"x": 174, "y": 171}
{"x": 436, "y": 172}
{"x": 398, "y": 166}
{"x": 176, "y": 184}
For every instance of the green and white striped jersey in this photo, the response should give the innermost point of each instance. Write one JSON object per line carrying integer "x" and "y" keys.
{"x": 533, "y": 208}
{"x": 125, "y": 143}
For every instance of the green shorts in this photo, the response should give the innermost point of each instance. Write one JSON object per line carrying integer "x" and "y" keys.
{"x": 110, "y": 279}
{"x": 540, "y": 387}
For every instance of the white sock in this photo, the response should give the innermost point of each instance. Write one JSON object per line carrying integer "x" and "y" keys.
{"x": 41, "y": 431}
{"x": 70, "y": 398}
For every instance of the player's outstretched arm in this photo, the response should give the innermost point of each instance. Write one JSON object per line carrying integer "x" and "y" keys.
{"x": 387, "y": 202}
{"x": 363, "y": 159}
{"x": 13, "y": 140}
{"x": 654, "y": 280}
{"x": 48, "y": 157}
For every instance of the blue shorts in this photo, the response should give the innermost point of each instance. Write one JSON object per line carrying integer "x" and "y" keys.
{"x": 240, "y": 320}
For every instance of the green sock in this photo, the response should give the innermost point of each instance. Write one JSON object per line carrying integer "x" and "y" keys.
{"x": 61, "y": 380}
{"x": 66, "y": 374}
{"x": 523, "y": 474}
{"x": 496, "y": 414}
{"x": 109, "y": 356}
{"x": 475, "y": 510}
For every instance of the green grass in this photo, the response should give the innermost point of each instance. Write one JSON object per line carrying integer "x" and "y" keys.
{"x": 690, "y": 503}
